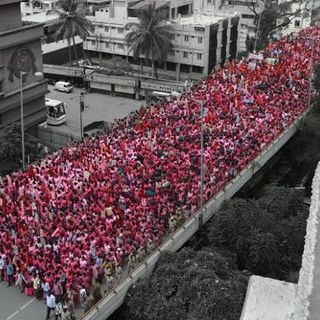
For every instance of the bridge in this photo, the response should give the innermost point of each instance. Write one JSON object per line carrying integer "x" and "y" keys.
{"x": 115, "y": 298}
{"x": 280, "y": 122}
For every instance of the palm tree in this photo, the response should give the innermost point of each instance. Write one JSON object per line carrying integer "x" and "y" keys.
{"x": 150, "y": 37}
{"x": 71, "y": 22}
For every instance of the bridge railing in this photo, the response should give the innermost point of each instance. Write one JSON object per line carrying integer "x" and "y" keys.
{"x": 115, "y": 297}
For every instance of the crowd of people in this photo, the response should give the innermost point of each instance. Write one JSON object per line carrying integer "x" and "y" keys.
{"x": 88, "y": 209}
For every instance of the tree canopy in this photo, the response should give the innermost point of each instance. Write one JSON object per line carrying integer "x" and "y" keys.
{"x": 150, "y": 37}
{"x": 275, "y": 16}
{"x": 267, "y": 233}
{"x": 11, "y": 151}
{"x": 190, "y": 285}
{"x": 71, "y": 22}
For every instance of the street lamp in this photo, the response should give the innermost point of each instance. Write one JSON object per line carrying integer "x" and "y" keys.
{"x": 201, "y": 103}
{"x": 81, "y": 109}
{"x": 22, "y": 74}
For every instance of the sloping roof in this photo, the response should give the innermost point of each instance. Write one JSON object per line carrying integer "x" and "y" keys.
{"x": 144, "y": 3}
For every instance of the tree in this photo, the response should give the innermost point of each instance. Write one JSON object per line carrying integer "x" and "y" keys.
{"x": 267, "y": 233}
{"x": 191, "y": 285}
{"x": 150, "y": 37}
{"x": 71, "y": 22}
{"x": 11, "y": 151}
{"x": 271, "y": 19}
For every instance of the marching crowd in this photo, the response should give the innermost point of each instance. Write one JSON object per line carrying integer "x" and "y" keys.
{"x": 82, "y": 213}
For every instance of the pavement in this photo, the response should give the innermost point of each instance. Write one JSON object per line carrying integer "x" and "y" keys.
{"x": 98, "y": 107}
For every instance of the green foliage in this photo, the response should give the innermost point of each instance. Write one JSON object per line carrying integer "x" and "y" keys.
{"x": 150, "y": 37}
{"x": 308, "y": 140}
{"x": 316, "y": 79}
{"x": 71, "y": 22}
{"x": 273, "y": 18}
{"x": 267, "y": 234}
{"x": 191, "y": 285}
{"x": 10, "y": 148}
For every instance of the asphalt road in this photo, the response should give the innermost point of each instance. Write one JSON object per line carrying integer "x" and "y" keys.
{"x": 17, "y": 306}
{"x": 98, "y": 107}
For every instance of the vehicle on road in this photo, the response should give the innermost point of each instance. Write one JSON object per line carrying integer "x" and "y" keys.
{"x": 157, "y": 96}
{"x": 56, "y": 112}
{"x": 63, "y": 86}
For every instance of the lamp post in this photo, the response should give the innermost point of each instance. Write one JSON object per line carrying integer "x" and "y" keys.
{"x": 201, "y": 103}
{"x": 81, "y": 109}
{"x": 311, "y": 63}
{"x": 22, "y": 74}
{"x": 22, "y": 120}
{"x": 257, "y": 33}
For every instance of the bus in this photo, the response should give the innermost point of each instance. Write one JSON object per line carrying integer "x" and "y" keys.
{"x": 157, "y": 96}
{"x": 56, "y": 112}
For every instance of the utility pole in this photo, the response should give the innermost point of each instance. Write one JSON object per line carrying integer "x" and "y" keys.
{"x": 22, "y": 121}
{"x": 201, "y": 103}
{"x": 201, "y": 169}
{"x": 81, "y": 109}
{"x": 257, "y": 33}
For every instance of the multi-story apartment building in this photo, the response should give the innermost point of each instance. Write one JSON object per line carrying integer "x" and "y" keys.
{"x": 201, "y": 40}
{"x": 20, "y": 50}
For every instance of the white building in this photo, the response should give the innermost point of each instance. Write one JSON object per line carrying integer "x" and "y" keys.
{"x": 201, "y": 39}
{"x": 306, "y": 10}
{"x": 30, "y": 7}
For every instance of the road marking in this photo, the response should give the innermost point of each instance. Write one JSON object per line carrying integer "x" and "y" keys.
{"x": 23, "y": 307}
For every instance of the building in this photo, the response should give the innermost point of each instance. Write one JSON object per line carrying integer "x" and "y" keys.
{"x": 244, "y": 9}
{"x": 30, "y": 7}
{"x": 201, "y": 39}
{"x": 20, "y": 51}
{"x": 305, "y": 13}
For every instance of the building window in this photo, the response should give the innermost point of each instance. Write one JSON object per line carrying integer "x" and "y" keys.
{"x": 107, "y": 45}
{"x": 186, "y": 38}
{"x": 199, "y": 39}
{"x": 248, "y": 16}
{"x": 185, "y": 54}
{"x": 297, "y": 23}
{"x": 120, "y": 46}
{"x": 197, "y": 69}
{"x": 93, "y": 43}
{"x": 171, "y": 36}
{"x": 178, "y": 35}
{"x": 106, "y": 29}
{"x": 209, "y": 1}
{"x": 171, "y": 53}
{"x": 120, "y": 30}
{"x": 199, "y": 56}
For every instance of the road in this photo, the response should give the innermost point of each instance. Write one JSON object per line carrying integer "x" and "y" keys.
{"x": 17, "y": 306}
{"x": 98, "y": 106}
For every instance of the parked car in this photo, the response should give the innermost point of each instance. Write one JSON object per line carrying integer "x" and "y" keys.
{"x": 63, "y": 86}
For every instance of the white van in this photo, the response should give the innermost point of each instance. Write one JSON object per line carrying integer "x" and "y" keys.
{"x": 63, "y": 86}
{"x": 56, "y": 112}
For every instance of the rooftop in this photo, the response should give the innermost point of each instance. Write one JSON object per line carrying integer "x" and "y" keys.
{"x": 41, "y": 17}
{"x": 4, "y": 2}
{"x": 144, "y": 3}
{"x": 202, "y": 19}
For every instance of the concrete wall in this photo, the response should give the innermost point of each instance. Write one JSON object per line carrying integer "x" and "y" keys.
{"x": 113, "y": 300}
{"x": 268, "y": 299}
{"x": 51, "y": 137}
{"x": 10, "y": 16}
{"x": 307, "y": 302}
